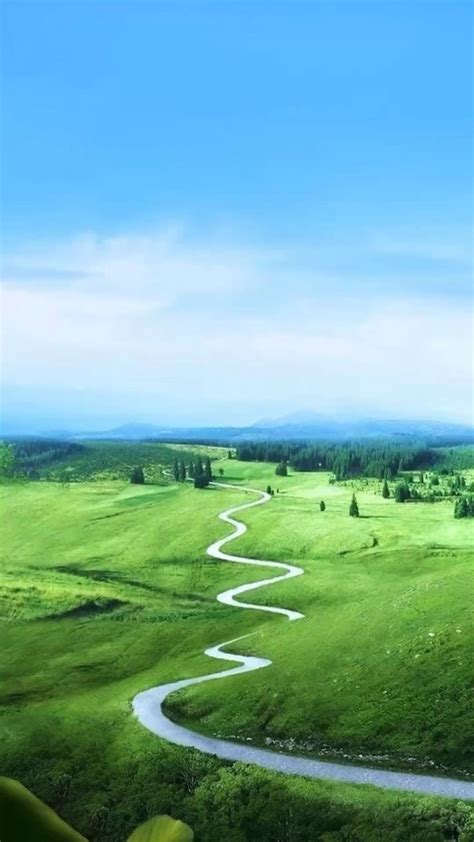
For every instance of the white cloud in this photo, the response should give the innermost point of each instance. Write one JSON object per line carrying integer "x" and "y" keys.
{"x": 156, "y": 317}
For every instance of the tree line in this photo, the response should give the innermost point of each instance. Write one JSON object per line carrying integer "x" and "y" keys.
{"x": 381, "y": 460}
{"x": 30, "y": 454}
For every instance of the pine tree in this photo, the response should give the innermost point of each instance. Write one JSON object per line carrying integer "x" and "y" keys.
{"x": 269, "y": 489}
{"x": 354, "y": 508}
{"x": 137, "y": 476}
{"x": 281, "y": 470}
{"x": 176, "y": 470}
{"x": 385, "y": 490}
{"x": 199, "y": 470}
{"x": 322, "y": 506}
{"x": 461, "y": 508}
{"x": 182, "y": 471}
{"x": 229, "y": 454}
{"x": 208, "y": 468}
{"x": 402, "y": 492}
{"x": 192, "y": 469}
{"x": 464, "y": 507}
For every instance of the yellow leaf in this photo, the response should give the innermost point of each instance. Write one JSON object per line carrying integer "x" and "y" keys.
{"x": 162, "y": 829}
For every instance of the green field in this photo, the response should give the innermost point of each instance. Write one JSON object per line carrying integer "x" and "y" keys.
{"x": 106, "y": 590}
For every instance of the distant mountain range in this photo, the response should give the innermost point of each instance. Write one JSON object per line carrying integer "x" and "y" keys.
{"x": 298, "y": 425}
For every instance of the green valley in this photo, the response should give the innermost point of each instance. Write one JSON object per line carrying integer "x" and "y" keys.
{"x": 106, "y": 590}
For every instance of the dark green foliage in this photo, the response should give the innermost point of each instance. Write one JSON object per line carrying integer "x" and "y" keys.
{"x": 350, "y": 459}
{"x": 137, "y": 476}
{"x": 105, "y": 794}
{"x": 24, "y": 818}
{"x": 385, "y": 490}
{"x": 221, "y": 472}
{"x": 208, "y": 468}
{"x": 402, "y": 492}
{"x": 40, "y": 453}
{"x": 176, "y": 470}
{"x": 201, "y": 480}
{"x": 464, "y": 507}
{"x": 7, "y": 460}
{"x": 192, "y": 469}
{"x": 96, "y": 460}
{"x": 201, "y": 475}
{"x": 435, "y": 479}
{"x": 354, "y": 508}
{"x": 457, "y": 484}
{"x": 322, "y": 506}
{"x": 281, "y": 470}
{"x": 454, "y": 458}
{"x": 229, "y": 454}
{"x": 182, "y": 471}
{"x": 269, "y": 489}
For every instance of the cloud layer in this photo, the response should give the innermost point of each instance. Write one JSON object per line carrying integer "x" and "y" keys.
{"x": 156, "y": 326}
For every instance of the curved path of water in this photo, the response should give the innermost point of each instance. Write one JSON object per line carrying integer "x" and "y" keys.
{"x": 148, "y": 704}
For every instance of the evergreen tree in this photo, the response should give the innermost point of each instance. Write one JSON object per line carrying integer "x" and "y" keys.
{"x": 464, "y": 507}
{"x": 198, "y": 470}
{"x": 137, "y": 476}
{"x": 208, "y": 468}
{"x": 176, "y": 470}
{"x": 7, "y": 460}
{"x": 385, "y": 490}
{"x": 201, "y": 480}
{"x": 229, "y": 454}
{"x": 281, "y": 470}
{"x": 221, "y": 472}
{"x": 461, "y": 508}
{"x": 354, "y": 508}
{"x": 182, "y": 471}
{"x": 322, "y": 506}
{"x": 192, "y": 469}
{"x": 402, "y": 492}
{"x": 269, "y": 489}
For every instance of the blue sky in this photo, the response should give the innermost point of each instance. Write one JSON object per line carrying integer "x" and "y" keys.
{"x": 218, "y": 210}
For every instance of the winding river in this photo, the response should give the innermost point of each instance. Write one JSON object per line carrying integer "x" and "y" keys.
{"x": 147, "y": 705}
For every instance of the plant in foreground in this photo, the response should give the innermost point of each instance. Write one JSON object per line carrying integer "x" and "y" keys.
{"x": 24, "y": 818}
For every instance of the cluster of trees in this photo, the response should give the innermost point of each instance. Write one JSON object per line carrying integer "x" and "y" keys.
{"x": 198, "y": 469}
{"x": 179, "y": 470}
{"x": 201, "y": 472}
{"x": 402, "y": 492}
{"x": 281, "y": 469}
{"x": 464, "y": 507}
{"x": 383, "y": 460}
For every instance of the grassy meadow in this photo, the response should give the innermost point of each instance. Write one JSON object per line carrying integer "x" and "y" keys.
{"x": 106, "y": 590}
